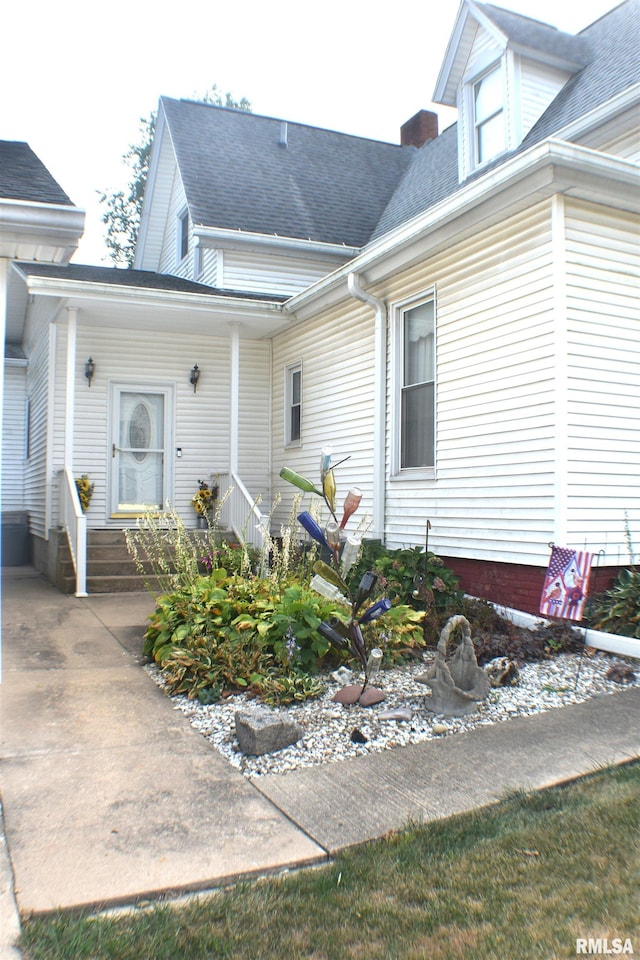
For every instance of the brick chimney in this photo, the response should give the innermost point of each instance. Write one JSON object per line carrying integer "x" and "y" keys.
{"x": 420, "y": 128}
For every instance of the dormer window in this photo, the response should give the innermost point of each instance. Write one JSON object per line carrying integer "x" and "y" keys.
{"x": 488, "y": 116}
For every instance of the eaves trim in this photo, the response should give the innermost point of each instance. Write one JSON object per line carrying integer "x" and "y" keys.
{"x": 551, "y": 155}
{"x": 83, "y": 290}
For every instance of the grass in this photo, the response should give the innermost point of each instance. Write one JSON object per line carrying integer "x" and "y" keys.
{"x": 525, "y": 878}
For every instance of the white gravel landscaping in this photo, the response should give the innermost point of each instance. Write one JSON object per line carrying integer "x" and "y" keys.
{"x": 328, "y": 726}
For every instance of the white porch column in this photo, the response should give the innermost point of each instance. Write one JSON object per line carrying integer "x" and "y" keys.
{"x": 70, "y": 390}
{"x": 234, "y": 412}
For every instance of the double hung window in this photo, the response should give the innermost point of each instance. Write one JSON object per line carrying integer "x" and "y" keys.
{"x": 488, "y": 116}
{"x": 416, "y": 401}
{"x": 293, "y": 404}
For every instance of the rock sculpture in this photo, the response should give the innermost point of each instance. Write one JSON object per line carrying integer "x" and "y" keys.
{"x": 459, "y": 684}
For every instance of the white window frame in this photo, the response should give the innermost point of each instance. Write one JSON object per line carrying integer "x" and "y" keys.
{"x": 182, "y": 235}
{"x": 468, "y": 128}
{"x": 399, "y": 310}
{"x": 500, "y": 112}
{"x": 291, "y": 371}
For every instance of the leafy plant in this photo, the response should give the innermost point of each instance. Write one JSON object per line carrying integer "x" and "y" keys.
{"x": 618, "y": 610}
{"x": 404, "y": 577}
{"x": 224, "y": 633}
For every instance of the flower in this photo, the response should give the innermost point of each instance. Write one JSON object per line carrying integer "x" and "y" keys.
{"x": 204, "y": 499}
{"x": 85, "y": 491}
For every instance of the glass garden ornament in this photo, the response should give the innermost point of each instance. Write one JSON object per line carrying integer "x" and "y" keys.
{"x": 373, "y": 663}
{"x": 332, "y": 635}
{"x": 325, "y": 461}
{"x": 299, "y": 481}
{"x": 328, "y": 573}
{"x": 329, "y": 490}
{"x": 350, "y": 553}
{"x": 351, "y": 504}
{"x": 367, "y": 583}
{"x": 312, "y": 527}
{"x": 377, "y": 610}
{"x": 326, "y": 589}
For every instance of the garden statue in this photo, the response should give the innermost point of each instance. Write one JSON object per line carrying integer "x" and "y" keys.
{"x": 458, "y": 684}
{"x": 330, "y": 579}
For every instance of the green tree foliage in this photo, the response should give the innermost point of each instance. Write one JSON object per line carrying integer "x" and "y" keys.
{"x": 122, "y": 208}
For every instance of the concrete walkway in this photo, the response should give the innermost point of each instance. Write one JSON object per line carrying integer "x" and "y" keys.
{"x": 109, "y": 795}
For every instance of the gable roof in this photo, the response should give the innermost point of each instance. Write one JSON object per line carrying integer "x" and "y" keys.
{"x": 613, "y": 66}
{"x": 532, "y": 36}
{"x": 24, "y": 177}
{"x": 321, "y": 185}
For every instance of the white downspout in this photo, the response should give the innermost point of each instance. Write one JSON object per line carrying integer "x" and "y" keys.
{"x": 379, "y": 415}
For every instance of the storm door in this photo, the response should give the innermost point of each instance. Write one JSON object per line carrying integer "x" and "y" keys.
{"x": 139, "y": 450}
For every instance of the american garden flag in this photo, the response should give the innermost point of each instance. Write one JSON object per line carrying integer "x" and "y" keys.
{"x": 566, "y": 584}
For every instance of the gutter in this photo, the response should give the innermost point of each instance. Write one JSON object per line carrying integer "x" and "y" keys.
{"x": 380, "y": 385}
{"x": 550, "y": 157}
{"x": 230, "y": 239}
{"x": 84, "y": 290}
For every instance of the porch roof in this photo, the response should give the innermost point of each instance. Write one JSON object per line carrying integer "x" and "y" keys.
{"x": 140, "y": 279}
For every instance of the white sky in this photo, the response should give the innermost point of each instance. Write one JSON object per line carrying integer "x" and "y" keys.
{"x": 77, "y": 75}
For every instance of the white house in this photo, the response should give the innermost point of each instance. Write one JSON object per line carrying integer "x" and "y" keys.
{"x": 458, "y": 314}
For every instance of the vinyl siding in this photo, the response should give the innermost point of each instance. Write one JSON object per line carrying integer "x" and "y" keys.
{"x": 37, "y": 479}
{"x": 493, "y": 492}
{"x": 13, "y": 437}
{"x": 336, "y": 350}
{"x": 603, "y": 457}
{"x": 539, "y": 85}
{"x": 269, "y": 273}
{"x": 200, "y": 422}
{"x": 169, "y": 254}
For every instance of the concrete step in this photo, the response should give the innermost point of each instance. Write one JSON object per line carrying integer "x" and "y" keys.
{"x": 116, "y": 584}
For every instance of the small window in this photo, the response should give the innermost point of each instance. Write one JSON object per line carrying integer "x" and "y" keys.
{"x": 183, "y": 235}
{"x": 416, "y": 400}
{"x": 293, "y": 404}
{"x": 488, "y": 116}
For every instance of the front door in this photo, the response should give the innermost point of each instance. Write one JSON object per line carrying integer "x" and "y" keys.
{"x": 139, "y": 450}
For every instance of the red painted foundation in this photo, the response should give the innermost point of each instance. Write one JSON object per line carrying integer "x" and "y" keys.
{"x": 515, "y": 585}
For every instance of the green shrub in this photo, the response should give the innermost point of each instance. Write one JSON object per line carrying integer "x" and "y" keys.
{"x": 230, "y": 633}
{"x": 404, "y": 577}
{"x": 618, "y": 610}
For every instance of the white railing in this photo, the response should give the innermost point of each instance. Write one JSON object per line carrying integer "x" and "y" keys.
{"x": 75, "y": 525}
{"x": 239, "y": 512}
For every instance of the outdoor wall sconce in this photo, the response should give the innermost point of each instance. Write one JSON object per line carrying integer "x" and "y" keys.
{"x": 195, "y": 376}
{"x": 89, "y": 370}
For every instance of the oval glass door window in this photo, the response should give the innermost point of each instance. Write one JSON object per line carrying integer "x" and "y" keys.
{"x": 140, "y": 432}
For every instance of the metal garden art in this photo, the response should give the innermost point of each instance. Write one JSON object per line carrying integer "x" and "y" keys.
{"x": 330, "y": 580}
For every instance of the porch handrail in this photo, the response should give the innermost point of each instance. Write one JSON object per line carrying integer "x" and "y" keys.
{"x": 240, "y": 512}
{"x": 75, "y": 525}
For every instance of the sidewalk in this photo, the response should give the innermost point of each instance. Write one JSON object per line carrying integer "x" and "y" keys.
{"x": 109, "y": 795}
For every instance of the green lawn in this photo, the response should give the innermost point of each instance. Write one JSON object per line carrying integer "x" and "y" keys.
{"x": 523, "y": 879}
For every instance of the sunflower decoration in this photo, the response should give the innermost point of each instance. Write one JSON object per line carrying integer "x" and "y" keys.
{"x": 204, "y": 499}
{"x": 85, "y": 491}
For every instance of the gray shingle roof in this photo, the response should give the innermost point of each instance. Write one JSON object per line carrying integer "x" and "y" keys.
{"x": 142, "y": 279}
{"x": 324, "y": 186}
{"x": 613, "y": 45}
{"x": 525, "y": 32}
{"x": 24, "y": 177}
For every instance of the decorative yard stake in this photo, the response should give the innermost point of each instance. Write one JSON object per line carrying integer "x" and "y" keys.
{"x": 330, "y": 579}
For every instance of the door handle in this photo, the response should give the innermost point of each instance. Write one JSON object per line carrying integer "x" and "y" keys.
{"x": 113, "y": 450}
